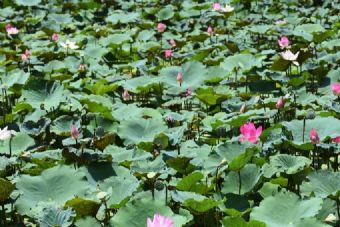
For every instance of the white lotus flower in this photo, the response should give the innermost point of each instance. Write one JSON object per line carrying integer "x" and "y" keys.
{"x": 227, "y": 9}
{"x": 69, "y": 44}
{"x": 289, "y": 56}
{"x": 281, "y": 22}
{"x": 5, "y": 134}
{"x": 331, "y": 218}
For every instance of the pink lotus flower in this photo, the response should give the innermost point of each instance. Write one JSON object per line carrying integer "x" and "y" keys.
{"x": 11, "y": 30}
{"x": 289, "y": 56}
{"x": 160, "y": 221}
{"x": 55, "y": 37}
{"x": 168, "y": 53}
{"x": 210, "y": 31}
{"x": 280, "y": 103}
{"x": 74, "y": 131}
{"x": 250, "y": 133}
{"x": 5, "y": 133}
{"x": 179, "y": 78}
{"x": 336, "y": 89}
{"x": 336, "y": 139}
{"x": 172, "y": 42}
{"x": 126, "y": 96}
{"x": 217, "y": 6}
{"x": 188, "y": 92}
{"x": 283, "y": 42}
{"x": 26, "y": 55}
{"x": 314, "y": 137}
{"x": 161, "y": 27}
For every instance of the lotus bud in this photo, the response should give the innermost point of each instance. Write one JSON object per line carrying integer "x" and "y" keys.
{"x": 179, "y": 79}
{"x": 126, "y": 95}
{"x": 168, "y": 53}
{"x": 243, "y": 108}
{"x": 74, "y": 131}
{"x": 161, "y": 27}
{"x": 210, "y": 31}
{"x": 314, "y": 137}
{"x": 55, "y": 37}
{"x": 280, "y": 103}
{"x": 172, "y": 42}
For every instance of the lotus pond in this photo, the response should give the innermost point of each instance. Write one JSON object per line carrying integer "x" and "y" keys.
{"x": 167, "y": 113}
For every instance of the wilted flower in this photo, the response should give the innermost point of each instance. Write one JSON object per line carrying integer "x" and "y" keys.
{"x": 217, "y": 6}
{"x": 210, "y": 31}
{"x": 168, "y": 53}
{"x": 280, "y": 103}
{"x": 313, "y": 136}
{"x": 74, "y": 131}
{"x": 160, "y": 221}
{"x": 179, "y": 78}
{"x": 161, "y": 27}
{"x": 126, "y": 96}
{"x": 55, "y": 37}
{"x": 283, "y": 42}
{"x": 243, "y": 108}
{"x": 289, "y": 56}
{"x": 69, "y": 45}
{"x": 188, "y": 92}
{"x": 172, "y": 42}
{"x": 250, "y": 133}
{"x": 5, "y": 133}
{"x": 336, "y": 89}
{"x": 11, "y": 30}
{"x": 26, "y": 55}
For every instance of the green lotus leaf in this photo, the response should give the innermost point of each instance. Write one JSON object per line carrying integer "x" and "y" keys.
{"x": 166, "y": 13}
{"x": 240, "y": 222}
{"x": 250, "y": 175}
{"x": 194, "y": 74}
{"x": 138, "y": 130}
{"x": 87, "y": 222}
{"x": 15, "y": 76}
{"x": 136, "y": 212}
{"x": 28, "y": 2}
{"x": 285, "y": 163}
{"x": 285, "y": 209}
{"x": 54, "y": 216}
{"x": 122, "y": 188}
{"x": 83, "y": 207}
{"x": 20, "y": 142}
{"x": 62, "y": 125}
{"x": 296, "y": 128}
{"x": 201, "y": 206}
{"x": 58, "y": 184}
{"x": 242, "y": 61}
{"x": 42, "y": 92}
{"x": 5, "y": 190}
{"x": 322, "y": 183}
{"x": 189, "y": 183}
{"x": 98, "y": 104}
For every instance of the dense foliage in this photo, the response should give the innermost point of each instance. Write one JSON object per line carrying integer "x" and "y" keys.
{"x": 187, "y": 113}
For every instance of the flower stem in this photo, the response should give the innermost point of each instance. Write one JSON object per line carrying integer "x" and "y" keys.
{"x": 240, "y": 182}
